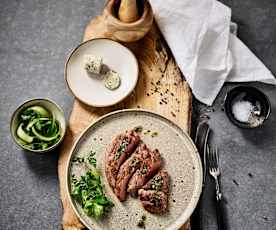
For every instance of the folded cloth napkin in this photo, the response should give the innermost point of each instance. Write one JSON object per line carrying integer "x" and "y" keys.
{"x": 198, "y": 33}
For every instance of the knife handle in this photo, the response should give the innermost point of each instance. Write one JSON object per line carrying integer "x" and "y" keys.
{"x": 221, "y": 214}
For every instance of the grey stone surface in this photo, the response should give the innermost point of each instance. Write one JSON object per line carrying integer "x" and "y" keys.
{"x": 35, "y": 38}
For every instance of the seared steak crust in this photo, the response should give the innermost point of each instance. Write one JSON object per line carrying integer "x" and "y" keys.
{"x": 150, "y": 165}
{"x": 125, "y": 173}
{"x": 121, "y": 148}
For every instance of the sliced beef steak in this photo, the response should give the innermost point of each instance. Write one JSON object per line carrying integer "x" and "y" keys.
{"x": 126, "y": 171}
{"x": 153, "y": 201}
{"x": 154, "y": 194}
{"x": 160, "y": 182}
{"x": 121, "y": 148}
{"x": 150, "y": 165}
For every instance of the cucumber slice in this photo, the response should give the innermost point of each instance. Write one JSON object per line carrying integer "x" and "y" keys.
{"x": 41, "y": 110}
{"x": 43, "y": 138}
{"x": 32, "y": 123}
{"x": 22, "y": 135}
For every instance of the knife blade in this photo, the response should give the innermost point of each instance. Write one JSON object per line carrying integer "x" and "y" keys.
{"x": 201, "y": 142}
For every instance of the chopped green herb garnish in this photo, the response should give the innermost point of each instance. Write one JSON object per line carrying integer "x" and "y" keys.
{"x": 147, "y": 132}
{"x": 138, "y": 129}
{"x": 121, "y": 149}
{"x": 157, "y": 183}
{"x": 144, "y": 169}
{"x": 91, "y": 158}
{"x": 134, "y": 162}
{"x": 154, "y": 134}
{"x": 88, "y": 191}
{"x": 156, "y": 200}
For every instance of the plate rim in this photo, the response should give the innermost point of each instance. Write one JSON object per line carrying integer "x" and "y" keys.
{"x": 89, "y": 103}
{"x": 182, "y": 219}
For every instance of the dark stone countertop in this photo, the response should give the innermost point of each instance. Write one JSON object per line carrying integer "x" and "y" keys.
{"x": 35, "y": 39}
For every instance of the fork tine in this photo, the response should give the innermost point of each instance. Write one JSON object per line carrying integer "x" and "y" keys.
{"x": 217, "y": 156}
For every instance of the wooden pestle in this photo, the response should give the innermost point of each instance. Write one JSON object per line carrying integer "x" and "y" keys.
{"x": 128, "y": 11}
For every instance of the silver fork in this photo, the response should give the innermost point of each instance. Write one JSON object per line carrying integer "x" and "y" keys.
{"x": 213, "y": 164}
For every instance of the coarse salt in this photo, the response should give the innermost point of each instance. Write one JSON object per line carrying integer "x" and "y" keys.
{"x": 242, "y": 110}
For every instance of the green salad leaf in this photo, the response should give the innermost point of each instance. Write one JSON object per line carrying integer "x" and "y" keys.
{"x": 88, "y": 191}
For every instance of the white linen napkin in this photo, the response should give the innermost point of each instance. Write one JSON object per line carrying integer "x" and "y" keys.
{"x": 198, "y": 33}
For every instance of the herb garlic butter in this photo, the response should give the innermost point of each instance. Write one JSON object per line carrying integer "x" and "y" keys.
{"x": 112, "y": 80}
{"x": 93, "y": 64}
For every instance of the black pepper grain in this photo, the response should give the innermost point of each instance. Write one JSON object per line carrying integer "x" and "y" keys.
{"x": 235, "y": 182}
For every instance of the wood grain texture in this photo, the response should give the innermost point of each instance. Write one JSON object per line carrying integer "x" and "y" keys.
{"x": 160, "y": 88}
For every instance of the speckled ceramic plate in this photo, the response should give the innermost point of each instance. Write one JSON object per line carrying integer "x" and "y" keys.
{"x": 180, "y": 159}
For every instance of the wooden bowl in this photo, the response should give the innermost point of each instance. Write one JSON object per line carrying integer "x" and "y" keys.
{"x": 127, "y": 32}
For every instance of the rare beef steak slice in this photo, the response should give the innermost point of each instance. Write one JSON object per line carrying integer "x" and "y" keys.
{"x": 150, "y": 165}
{"x": 120, "y": 149}
{"x": 159, "y": 182}
{"x": 154, "y": 195}
{"x": 127, "y": 169}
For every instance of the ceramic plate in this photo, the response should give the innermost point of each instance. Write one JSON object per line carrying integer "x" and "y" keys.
{"x": 180, "y": 159}
{"x": 91, "y": 90}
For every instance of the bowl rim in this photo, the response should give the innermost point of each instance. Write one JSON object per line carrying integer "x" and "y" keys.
{"x": 232, "y": 118}
{"x": 100, "y": 105}
{"x": 18, "y": 108}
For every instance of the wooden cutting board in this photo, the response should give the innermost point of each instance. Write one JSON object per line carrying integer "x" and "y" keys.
{"x": 160, "y": 88}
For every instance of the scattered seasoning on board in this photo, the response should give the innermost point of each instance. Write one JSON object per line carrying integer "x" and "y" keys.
{"x": 173, "y": 114}
{"x": 142, "y": 222}
{"x": 250, "y": 175}
{"x": 235, "y": 182}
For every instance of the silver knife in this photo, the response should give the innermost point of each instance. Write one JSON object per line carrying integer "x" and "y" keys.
{"x": 201, "y": 142}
